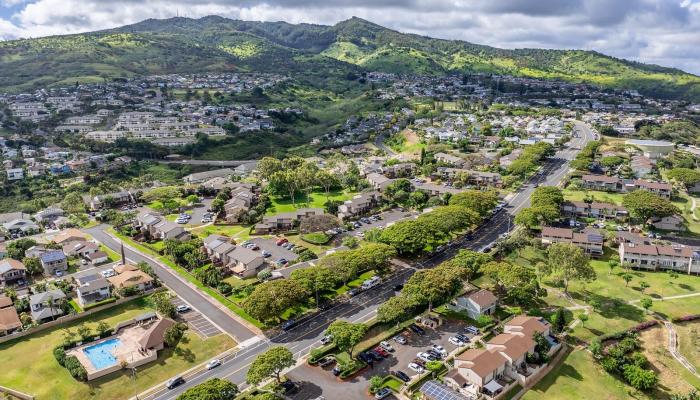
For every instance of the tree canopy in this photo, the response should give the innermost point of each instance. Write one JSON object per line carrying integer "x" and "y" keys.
{"x": 269, "y": 364}
{"x": 643, "y": 205}
{"x": 567, "y": 262}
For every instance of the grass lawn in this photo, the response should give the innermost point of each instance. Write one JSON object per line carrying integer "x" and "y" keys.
{"x": 316, "y": 200}
{"x": 34, "y": 369}
{"x": 113, "y": 256}
{"x": 315, "y": 238}
{"x": 684, "y": 202}
{"x": 605, "y": 197}
{"x": 673, "y": 377}
{"x": 689, "y": 341}
{"x": 356, "y": 282}
{"x": 580, "y": 377}
{"x": 393, "y": 383}
{"x": 675, "y": 308}
{"x": 237, "y": 231}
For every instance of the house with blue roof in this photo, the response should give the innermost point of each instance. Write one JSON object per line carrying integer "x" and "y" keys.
{"x": 54, "y": 262}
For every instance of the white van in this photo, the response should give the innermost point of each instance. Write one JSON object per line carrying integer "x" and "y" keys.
{"x": 371, "y": 282}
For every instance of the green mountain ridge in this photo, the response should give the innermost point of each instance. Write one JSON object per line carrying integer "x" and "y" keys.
{"x": 213, "y": 43}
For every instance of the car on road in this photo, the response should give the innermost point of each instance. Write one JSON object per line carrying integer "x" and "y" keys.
{"x": 213, "y": 363}
{"x": 289, "y": 324}
{"x": 455, "y": 341}
{"x": 386, "y": 346}
{"x": 400, "y": 339}
{"x": 326, "y": 339}
{"x": 354, "y": 292}
{"x": 183, "y": 308}
{"x": 401, "y": 375}
{"x": 415, "y": 367}
{"x": 382, "y": 393}
{"x": 175, "y": 382}
{"x": 83, "y": 261}
{"x": 108, "y": 273}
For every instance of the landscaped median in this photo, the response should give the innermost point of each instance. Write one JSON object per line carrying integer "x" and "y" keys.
{"x": 182, "y": 272}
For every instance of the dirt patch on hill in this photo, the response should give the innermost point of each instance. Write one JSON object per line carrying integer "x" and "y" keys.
{"x": 654, "y": 345}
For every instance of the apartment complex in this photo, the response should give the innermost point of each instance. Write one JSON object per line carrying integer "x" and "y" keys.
{"x": 591, "y": 242}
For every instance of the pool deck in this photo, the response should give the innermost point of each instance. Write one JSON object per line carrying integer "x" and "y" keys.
{"x": 128, "y": 351}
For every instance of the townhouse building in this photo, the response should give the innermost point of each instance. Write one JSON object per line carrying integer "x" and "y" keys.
{"x": 598, "y": 210}
{"x": 359, "y": 205}
{"x": 591, "y": 242}
{"x": 652, "y": 257}
{"x": 285, "y": 221}
{"x": 614, "y": 184}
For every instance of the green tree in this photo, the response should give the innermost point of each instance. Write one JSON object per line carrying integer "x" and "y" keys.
{"x": 268, "y": 166}
{"x": 686, "y": 176}
{"x": 627, "y": 277}
{"x": 33, "y": 265}
{"x": 431, "y": 286}
{"x": 643, "y": 285}
{"x": 480, "y": 202}
{"x": 583, "y": 317}
{"x": 212, "y": 389}
{"x": 514, "y": 283}
{"x": 559, "y": 320}
{"x": 407, "y": 237}
{"x": 163, "y": 304}
{"x": 270, "y": 299}
{"x": 639, "y": 378}
{"x": 646, "y": 303}
{"x": 270, "y": 364}
{"x": 469, "y": 262}
{"x": 84, "y": 331}
{"x": 396, "y": 309}
{"x": 643, "y": 205}
{"x": 375, "y": 383}
{"x": 316, "y": 279}
{"x": 568, "y": 262}
{"x": 346, "y": 335}
{"x": 174, "y": 333}
{"x": 103, "y": 328}
{"x": 17, "y": 248}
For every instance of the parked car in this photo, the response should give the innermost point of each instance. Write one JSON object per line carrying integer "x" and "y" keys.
{"x": 326, "y": 361}
{"x": 440, "y": 349}
{"x": 472, "y": 329}
{"x": 425, "y": 356}
{"x": 289, "y": 387}
{"x": 400, "y": 339}
{"x": 398, "y": 288}
{"x": 326, "y": 339}
{"x": 336, "y": 370}
{"x": 366, "y": 358}
{"x": 175, "y": 382}
{"x": 381, "y": 351}
{"x": 434, "y": 354}
{"x": 213, "y": 363}
{"x": 462, "y": 337}
{"x": 417, "y": 329}
{"x": 401, "y": 375}
{"x": 108, "y": 273}
{"x": 386, "y": 346}
{"x": 382, "y": 393}
{"x": 282, "y": 241}
{"x": 455, "y": 341}
{"x": 183, "y": 308}
{"x": 282, "y": 262}
{"x": 266, "y": 253}
{"x": 415, "y": 367}
{"x": 375, "y": 355}
{"x": 354, "y": 292}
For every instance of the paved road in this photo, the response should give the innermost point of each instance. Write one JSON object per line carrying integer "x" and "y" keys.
{"x": 211, "y": 309}
{"x": 363, "y": 306}
{"x": 209, "y": 163}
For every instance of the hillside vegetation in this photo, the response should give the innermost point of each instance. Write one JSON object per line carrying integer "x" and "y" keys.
{"x": 182, "y": 45}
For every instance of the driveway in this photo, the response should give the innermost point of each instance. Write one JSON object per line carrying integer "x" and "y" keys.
{"x": 270, "y": 244}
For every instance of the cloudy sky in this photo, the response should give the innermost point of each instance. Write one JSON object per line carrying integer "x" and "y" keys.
{"x": 665, "y": 32}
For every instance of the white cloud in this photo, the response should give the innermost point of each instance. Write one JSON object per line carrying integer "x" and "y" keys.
{"x": 665, "y": 32}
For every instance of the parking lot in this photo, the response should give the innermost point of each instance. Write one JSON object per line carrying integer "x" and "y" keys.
{"x": 317, "y": 381}
{"x": 196, "y": 321}
{"x": 270, "y": 244}
{"x": 388, "y": 217}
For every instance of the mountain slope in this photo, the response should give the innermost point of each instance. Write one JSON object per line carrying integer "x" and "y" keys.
{"x": 182, "y": 45}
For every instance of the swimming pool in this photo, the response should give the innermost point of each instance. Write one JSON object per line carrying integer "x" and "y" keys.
{"x": 100, "y": 355}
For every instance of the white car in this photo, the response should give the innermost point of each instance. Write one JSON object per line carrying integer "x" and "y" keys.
{"x": 213, "y": 363}
{"x": 416, "y": 368}
{"x": 326, "y": 339}
{"x": 108, "y": 273}
{"x": 183, "y": 308}
{"x": 453, "y": 340}
{"x": 400, "y": 339}
{"x": 440, "y": 349}
{"x": 386, "y": 346}
{"x": 425, "y": 356}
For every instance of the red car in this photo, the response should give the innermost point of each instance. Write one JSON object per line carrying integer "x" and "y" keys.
{"x": 282, "y": 241}
{"x": 381, "y": 351}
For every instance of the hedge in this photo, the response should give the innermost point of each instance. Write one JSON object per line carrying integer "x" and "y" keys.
{"x": 634, "y": 329}
{"x": 100, "y": 303}
{"x": 686, "y": 318}
{"x": 321, "y": 352}
{"x": 75, "y": 368}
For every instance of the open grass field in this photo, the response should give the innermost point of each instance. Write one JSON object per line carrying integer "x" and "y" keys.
{"x": 673, "y": 377}
{"x": 234, "y": 231}
{"x": 675, "y": 308}
{"x": 31, "y": 367}
{"x": 316, "y": 200}
{"x": 604, "y": 197}
{"x": 579, "y": 377}
{"x": 689, "y": 341}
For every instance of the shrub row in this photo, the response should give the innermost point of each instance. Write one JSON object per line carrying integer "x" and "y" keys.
{"x": 100, "y": 303}
{"x": 686, "y": 318}
{"x": 623, "y": 334}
